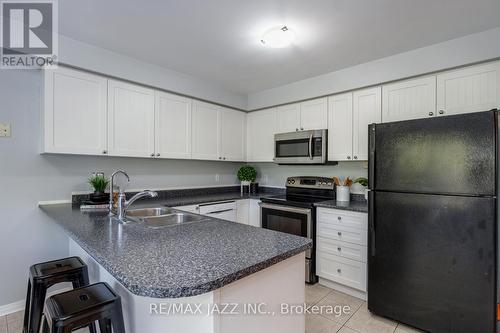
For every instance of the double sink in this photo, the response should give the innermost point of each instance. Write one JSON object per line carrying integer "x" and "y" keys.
{"x": 161, "y": 217}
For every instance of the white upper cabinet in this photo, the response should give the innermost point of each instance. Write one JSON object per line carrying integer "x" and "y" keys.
{"x": 470, "y": 89}
{"x": 314, "y": 114}
{"x": 206, "y": 131}
{"x": 261, "y": 126}
{"x": 367, "y": 109}
{"x": 172, "y": 126}
{"x": 410, "y": 99}
{"x": 233, "y": 135}
{"x": 340, "y": 127}
{"x": 288, "y": 118}
{"x": 131, "y": 116}
{"x": 74, "y": 112}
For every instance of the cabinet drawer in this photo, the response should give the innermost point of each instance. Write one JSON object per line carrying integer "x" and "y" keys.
{"x": 341, "y": 270}
{"x": 342, "y": 233}
{"x": 343, "y": 218}
{"x": 342, "y": 249}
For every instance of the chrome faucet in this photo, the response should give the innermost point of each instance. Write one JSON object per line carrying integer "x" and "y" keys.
{"x": 123, "y": 204}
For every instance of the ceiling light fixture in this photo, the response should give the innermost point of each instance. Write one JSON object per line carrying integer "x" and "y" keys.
{"x": 278, "y": 37}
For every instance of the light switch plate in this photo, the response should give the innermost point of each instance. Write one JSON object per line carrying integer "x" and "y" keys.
{"x": 4, "y": 130}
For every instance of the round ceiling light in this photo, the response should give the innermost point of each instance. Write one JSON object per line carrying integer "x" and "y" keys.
{"x": 278, "y": 37}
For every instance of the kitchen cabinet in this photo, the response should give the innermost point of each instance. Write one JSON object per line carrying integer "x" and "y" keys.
{"x": 206, "y": 131}
{"x": 254, "y": 213}
{"x": 233, "y": 135}
{"x": 288, "y": 118}
{"x": 172, "y": 126}
{"x": 302, "y": 116}
{"x": 131, "y": 117}
{"x": 261, "y": 126}
{"x": 342, "y": 250}
{"x": 470, "y": 89}
{"x": 75, "y": 112}
{"x": 348, "y": 120}
{"x": 242, "y": 211}
{"x": 409, "y": 99}
{"x": 314, "y": 114}
{"x": 340, "y": 127}
{"x": 367, "y": 109}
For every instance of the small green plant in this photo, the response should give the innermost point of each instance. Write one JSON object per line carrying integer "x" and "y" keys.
{"x": 247, "y": 173}
{"x": 98, "y": 182}
{"x": 362, "y": 181}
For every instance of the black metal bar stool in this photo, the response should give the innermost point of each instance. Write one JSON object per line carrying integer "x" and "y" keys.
{"x": 42, "y": 277}
{"x": 74, "y": 309}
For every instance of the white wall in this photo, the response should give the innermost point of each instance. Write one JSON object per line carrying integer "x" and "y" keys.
{"x": 97, "y": 59}
{"x": 461, "y": 51}
{"x": 26, "y": 177}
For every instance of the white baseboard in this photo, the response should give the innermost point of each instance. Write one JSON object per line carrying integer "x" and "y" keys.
{"x": 19, "y": 305}
{"x": 343, "y": 289}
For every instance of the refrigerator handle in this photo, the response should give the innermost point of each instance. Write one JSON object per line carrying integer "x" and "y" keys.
{"x": 371, "y": 156}
{"x": 371, "y": 223}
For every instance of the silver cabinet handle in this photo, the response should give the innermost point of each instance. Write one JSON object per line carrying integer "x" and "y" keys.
{"x": 158, "y": 154}
{"x": 355, "y": 157}
{"x": 104, "y": 151}
{"x": 431, "y": 113}
{"x": 441, "y": 111}
{"x": 221, "y": 211}
{"x": 348, "y": 157}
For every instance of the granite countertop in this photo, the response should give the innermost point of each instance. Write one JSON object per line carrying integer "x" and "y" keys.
{"x": 178, "y": 261}
{"x": 355, "y": 206}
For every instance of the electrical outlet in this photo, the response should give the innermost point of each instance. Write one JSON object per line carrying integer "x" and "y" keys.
{"x": 4, "y": 130}
{"x": 217, "y": 177}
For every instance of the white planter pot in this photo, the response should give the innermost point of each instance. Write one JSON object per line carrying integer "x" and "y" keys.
{"x": 343, "y": 193}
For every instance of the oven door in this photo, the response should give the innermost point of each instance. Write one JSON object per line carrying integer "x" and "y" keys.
{"x": 287, "y": 219}
{"x": 307, "y": 147}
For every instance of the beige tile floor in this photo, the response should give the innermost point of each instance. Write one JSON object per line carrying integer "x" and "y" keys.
{"x": 359, "y": 320}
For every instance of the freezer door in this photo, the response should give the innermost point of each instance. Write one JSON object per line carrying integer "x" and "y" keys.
{"x": 444, "y": 155}
{"x": 431, "y": 261}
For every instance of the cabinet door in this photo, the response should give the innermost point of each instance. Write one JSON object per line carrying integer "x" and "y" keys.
{"x": 172, "y": 126}
{"x": 233, "y": 135}
{"x": 314, "y": 114}
{"x": 206, "y": 131}
{"x": 261, "y": 127}
{"x": 470, "y": 89}
{"x": 340, "y": 127}
{"x": 367, "y": 109}
{"x": 411, "y": 99}
{"x": 242, "y": 211}
{"x": 130, "y": 120}
{"x": 74, "y": 112}
{"x": 288, "y": 118}
{"x": 254, "y": 213}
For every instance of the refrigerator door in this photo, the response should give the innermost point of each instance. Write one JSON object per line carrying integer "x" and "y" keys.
{"x": 431, "y": 261}
{"x": 444, "y": 155}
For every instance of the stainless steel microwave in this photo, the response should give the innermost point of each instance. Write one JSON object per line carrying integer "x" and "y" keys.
{"x": 304, "y": 147}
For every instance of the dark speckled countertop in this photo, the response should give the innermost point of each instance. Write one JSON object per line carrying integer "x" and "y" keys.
{"x": 355, "y": 206}
{"x": 178, "y": 261}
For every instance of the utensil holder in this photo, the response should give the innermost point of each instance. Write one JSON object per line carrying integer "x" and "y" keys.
{"x": 343, "y": 193}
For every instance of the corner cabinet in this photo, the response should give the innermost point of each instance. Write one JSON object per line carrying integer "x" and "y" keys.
{"x": 261, "y": 127}
{"x": 75, "y": 113}
{"x": 348, "y": 120}
{"x": 131, "y": 117}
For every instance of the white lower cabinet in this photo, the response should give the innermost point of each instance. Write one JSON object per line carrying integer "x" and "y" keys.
{"x": 254, "y": 213}
{"x": 342, "y": 248}
{"x": 242, "y": 211}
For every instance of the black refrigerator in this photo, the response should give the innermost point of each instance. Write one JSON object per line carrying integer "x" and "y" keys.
{"x": 432, "y": 238}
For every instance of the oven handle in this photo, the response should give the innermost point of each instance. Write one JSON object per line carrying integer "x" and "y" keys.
{"x": 311, "y": 146}
{"x": 306, "y": 211}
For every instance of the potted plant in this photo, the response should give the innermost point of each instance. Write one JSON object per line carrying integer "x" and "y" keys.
{"x": 363, "y": 182}
{"x": 247, "y": 175}
{"x": 99, "y": 183}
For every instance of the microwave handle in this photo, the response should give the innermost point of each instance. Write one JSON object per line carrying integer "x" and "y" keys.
{"x": 311, "y": 146}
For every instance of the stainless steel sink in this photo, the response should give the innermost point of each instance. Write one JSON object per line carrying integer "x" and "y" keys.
{"x": 160, "y": 217}
{"x": 145, "y": 212}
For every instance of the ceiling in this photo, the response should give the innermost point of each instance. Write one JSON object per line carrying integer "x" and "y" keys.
{"x": 218, "y": 40}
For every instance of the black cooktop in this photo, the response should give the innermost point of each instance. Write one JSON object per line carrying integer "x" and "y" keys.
{"x": 296, "y": 201}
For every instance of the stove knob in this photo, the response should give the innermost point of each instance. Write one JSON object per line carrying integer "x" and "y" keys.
{"x": 329, "y": 184}
{"x": 293, "y": 181}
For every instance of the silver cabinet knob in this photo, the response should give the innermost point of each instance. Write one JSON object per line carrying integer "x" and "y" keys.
{"x": 224, "y": 158}
{"x": 220, "y": 157}
{"x": 302, "y": 128}
{"x": 348, "y": 157}
{"x": 441, "y": 111}
{"x": 339, "y": 218}
{"x": 431, "y": 113}
{"x": 339, "y": 270}
{"x": 339, "y": 233}
{"x": 339, "y": 249}
{"x": 104, "y": 151}
{"x": 152, "y": 154}
{"x": 158, "y": 154}
{"x": 296, "y": 130}
{"x": 355, "y": 157}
